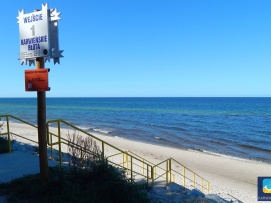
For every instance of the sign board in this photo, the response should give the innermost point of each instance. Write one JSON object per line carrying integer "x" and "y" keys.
{"x": 39, "y": 35}
{"x": 34, "y": 34}
{"x": 36, "y": 80}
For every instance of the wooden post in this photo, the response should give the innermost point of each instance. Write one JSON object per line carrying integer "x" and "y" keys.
{"x": 41, "y": 102}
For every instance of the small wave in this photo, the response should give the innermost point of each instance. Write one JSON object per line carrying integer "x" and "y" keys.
{"x": 158, "y": 138}
{"x": 254, "y": 148}
{"x": 226, "y": 156}
{"x": 195, "y": 150}
{"x": 163, "y": 140}
{"x": 102, "y": 130}
{"x": 83, "y": 128}
{"x": 105, "y": 131}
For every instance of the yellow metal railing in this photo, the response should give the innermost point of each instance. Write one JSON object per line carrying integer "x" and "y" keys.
{"x": 113, "y": 154}
{"x": 178, "y": 173}
{"x": 6, "y": 126}
{"x": 135, "y": 166}
{"x": 172, "y": 171}
{"x": 158, "y": 168}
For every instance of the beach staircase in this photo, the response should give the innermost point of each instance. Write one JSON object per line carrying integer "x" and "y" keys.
{"x": 136, "y": 167}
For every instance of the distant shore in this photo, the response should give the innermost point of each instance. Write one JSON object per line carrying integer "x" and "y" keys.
{"x": 227, "y": 175}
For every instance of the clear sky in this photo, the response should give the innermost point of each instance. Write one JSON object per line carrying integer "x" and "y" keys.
{"x": 177, "y": 48}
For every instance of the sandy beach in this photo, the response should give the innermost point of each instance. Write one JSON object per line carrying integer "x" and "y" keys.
{"x": 228, "y": 176}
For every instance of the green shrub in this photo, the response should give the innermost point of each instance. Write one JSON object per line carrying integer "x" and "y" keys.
{"x": 103, "y": 183}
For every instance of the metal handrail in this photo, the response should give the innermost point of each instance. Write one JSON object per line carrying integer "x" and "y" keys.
{"x": 129, "y": 167}
{"x": 165, "y": 173}
{"x": 129, "y": 159}
{"x": 8, "y": 133}
{"x": 152, "y": 164}
{"x": 169, "y": 170}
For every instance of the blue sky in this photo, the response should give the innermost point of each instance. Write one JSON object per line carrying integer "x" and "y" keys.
{"x": 141, "y": 48}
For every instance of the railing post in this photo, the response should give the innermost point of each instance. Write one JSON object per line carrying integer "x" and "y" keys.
{"x": 194, "y": 180}
{"x": 184, "y": 176}
{"x": 127, "y": 160}
{"x": 143, "y": 167}
{"x": 103, "y": 150}
{"x": 59, "y": 143}
{"x": 147, "y": 175}
{"x": 170, "y": 170}
{"x": 202, "y": 184}
{"x": 9, "y": 142}
{"x": 167, "y": 172}
{"x": 122, "y": 160}
{"x": 51, "y": 142}
{"x": 131, "y": 168}
{"x": 152, "y": 177}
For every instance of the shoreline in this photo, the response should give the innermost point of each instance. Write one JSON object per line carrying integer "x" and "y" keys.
{"x": 227, "y": 175}
{"x": 262, "y": 160}
{"x": 252, "y": 155}
{"x": 104, "y": 135}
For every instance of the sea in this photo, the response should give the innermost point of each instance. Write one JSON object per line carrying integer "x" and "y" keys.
{"x": 235, "y": 127}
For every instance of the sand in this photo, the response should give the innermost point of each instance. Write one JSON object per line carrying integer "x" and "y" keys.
{"x": 231, "y": 178}
{"x": 227, "y": 175}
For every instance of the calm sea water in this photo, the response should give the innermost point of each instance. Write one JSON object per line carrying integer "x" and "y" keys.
{"x": 239, "y": 127}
